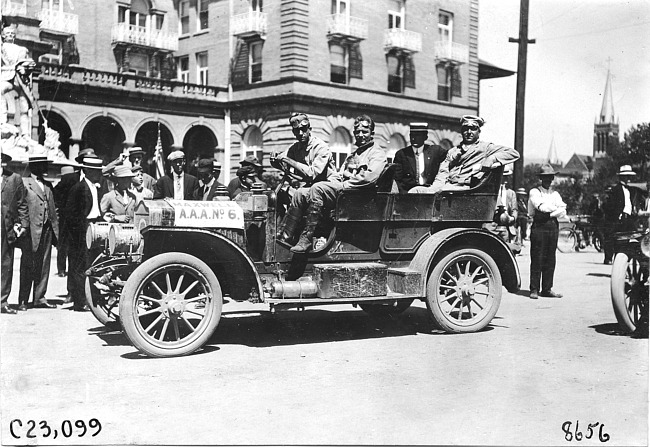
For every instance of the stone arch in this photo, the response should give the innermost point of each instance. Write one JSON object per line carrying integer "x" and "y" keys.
{"x": 395, "y": 142}
{"x": 199, "y": 142}
{"x": 146, "y": 137}
{"x": 105, "y": 135}
{"x": 58, "y": 122}
{"x": 252, "y": 143}
{"x": 445, "y": 137}
{"x": 340, "y": 143}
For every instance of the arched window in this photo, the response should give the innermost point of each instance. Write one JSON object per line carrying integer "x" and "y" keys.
{"x": 395, "y": 143}
{"x": 340, "y": 145}
{"x": 253, "y": 143}
{"x": 446, "y": 144}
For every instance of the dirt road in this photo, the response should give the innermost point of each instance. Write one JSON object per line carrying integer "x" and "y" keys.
{"x": 333, "y": 375}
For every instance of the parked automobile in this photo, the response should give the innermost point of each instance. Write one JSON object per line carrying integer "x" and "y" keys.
{"x": 165, "y": 276}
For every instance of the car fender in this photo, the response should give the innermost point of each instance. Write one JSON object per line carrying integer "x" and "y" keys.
{"x": 443, "y": 242}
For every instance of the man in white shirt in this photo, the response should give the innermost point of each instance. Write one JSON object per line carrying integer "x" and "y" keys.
{"x": 545, "y": 206}
{"x": 177, "y": 184}
{"x": 620, "y": 210}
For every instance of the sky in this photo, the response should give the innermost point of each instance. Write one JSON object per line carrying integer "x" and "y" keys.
{"x": 566, "y": 70}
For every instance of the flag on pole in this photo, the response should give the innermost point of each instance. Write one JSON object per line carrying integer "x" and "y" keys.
{"x": 158, "y": 157}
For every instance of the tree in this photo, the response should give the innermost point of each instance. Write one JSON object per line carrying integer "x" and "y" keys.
{"x": 636, "y": 146}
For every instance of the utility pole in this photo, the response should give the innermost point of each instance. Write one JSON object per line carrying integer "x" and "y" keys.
{"x": 523, "y": 42}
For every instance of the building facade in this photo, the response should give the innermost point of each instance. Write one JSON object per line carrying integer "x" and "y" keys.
{"x": 221, "y": 77}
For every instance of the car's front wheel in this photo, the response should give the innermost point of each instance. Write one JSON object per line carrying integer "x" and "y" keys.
{"x": 464, "y": 291}
{"x": 171, "y": 305}
{"x": 627, "y": 288}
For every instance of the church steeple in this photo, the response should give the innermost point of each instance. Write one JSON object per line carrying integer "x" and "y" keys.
{"x": 606, "y": 125}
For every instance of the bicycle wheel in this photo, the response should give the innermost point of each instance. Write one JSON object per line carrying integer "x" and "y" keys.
{"x": 566, "y": 241}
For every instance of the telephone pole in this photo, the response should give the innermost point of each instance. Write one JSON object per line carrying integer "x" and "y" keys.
{"x": 523, "y": 42}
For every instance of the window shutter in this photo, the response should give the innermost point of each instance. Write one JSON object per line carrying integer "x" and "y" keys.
{"x": 356, "y": 62}
{"x": 409, "y": 72}
{"x": 456, "y": 83}
{"x": 240, "y": 65}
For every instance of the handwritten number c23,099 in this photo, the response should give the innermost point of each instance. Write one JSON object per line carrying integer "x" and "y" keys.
{"x": 29, "y": 429}
{"x": 576, "y": 434}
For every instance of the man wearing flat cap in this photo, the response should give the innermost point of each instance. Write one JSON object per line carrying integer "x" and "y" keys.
{"x": 13, "y": 225}
{"x": 251, "y": 174}
{"x": 545, "y": 206}
{"x": 309, "y": 160}
{"x": 207, "y": 183}
{"x": 82, "y": 208}
{"x": 522, "y": 215}
{"x": 466, "y": 163}
{"x": 43, "y": 232}
{"x": 177, "y": 184}
{"x": 417, "y": 164}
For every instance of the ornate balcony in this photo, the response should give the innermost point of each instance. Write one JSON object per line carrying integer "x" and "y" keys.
{"x": 343, "y": 26}
{"x": 18, "y": 8}
{"x": 249, "y": 24}
{"x": 59, "y": 22}
{"x": 124, "y": 33}
{"x": 403, "y": 40}
{"x": 452, "y": 52}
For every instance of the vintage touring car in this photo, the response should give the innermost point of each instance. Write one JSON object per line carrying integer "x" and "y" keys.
{"x": 164, "y": 277}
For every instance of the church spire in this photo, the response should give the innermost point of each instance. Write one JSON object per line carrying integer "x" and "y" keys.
{"x": 607, "y": 110}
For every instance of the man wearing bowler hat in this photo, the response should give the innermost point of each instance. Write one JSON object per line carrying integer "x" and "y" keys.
{"x": 417, "y": 164}
{"x": 82, "y": 208}
{"x": 43, "y": 232}
{"x": 13, "y": 225}
{"x": 545, "y": 206}
{"x": 177, "y": 184}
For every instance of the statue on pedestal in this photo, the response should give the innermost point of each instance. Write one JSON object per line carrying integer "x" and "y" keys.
{"x": 15, "y": 68}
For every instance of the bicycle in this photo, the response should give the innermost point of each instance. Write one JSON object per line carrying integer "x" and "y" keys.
{"x": 583, "y": 233}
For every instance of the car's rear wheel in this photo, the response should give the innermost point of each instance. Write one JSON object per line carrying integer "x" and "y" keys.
{"x": 627, "y": 289}
{"x": 171, "y": 305}
{"x": 464, "y": 291}
{"x": 385, "y": 309}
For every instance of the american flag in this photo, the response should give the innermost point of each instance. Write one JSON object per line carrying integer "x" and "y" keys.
{"x": 158, "y": 157}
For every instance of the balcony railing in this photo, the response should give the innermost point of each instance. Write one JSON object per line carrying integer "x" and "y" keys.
{"x": 401, "y": 39}
{"x": 146, "y": 37}
{"x": 128, "y": 82}
{"x": 62, "y": 22}
{"x": 346, "y": 26}
{"x": 248, "y": 24}
{"x": 451, "y": 52}
{"x": 10, "y": 8}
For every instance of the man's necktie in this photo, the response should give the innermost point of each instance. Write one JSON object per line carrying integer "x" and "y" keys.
{"x": 418, "y": 168}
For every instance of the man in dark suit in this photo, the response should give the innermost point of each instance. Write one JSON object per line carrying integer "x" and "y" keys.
{"x": 176, "y": 184}
{"x": 417, "y": 164}
{"x": 82, "y": 208}
{"x": 14, "y": 223}
{"x": 619, "y": 210}
{"x": 43, "y": 233}
{"x": 207, "y": 182}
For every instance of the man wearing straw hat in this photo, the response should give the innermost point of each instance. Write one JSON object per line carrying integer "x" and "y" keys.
{"x": 619, "y": 209}
{"x": 42, "y": 234}
{"x": 417, "y": 164}
{"x": 82, "y": 208}
{"x": 14, "y": 223}
{"x": 118, "y": 205}
{"x": 545, "y": 206}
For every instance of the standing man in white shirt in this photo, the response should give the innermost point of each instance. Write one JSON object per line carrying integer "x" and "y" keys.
{"x": 620, "y": 210}
{"x": 545, "y": 206}
{"x": 82, "y": 208}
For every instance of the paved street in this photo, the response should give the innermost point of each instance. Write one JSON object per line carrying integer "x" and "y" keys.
{"x": 333, "y": 375}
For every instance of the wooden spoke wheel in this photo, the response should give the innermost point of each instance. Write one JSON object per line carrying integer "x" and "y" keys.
{"x": 629, "y": 291}
{"x": 171, "y": 305}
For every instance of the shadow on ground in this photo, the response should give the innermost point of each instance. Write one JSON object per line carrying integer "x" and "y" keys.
{"x": 615, "y": 329}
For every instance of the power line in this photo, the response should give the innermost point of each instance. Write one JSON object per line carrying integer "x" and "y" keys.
{"x": 591, "y": 32}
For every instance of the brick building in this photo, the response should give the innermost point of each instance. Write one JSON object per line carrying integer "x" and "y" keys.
{"x": 221, "y": 77}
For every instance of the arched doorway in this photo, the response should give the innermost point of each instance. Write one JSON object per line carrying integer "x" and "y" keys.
{"x": 199, "y": 142}
{"x": 395, "y": 143}
{"x": 147, "y": 138}
{"x": 58, "y": 123}
{"x": 340, "y": 145}
{"x": 253, "y": 143}
{"x": 105, "y": 135}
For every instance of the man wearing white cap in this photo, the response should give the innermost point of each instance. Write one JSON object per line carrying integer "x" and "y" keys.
{"x": 177, "y": 184}
{"x": 13, "y": 224}
{"x": 417, "y": 164}
{"x": 118, "y": 205}
{"x": 466, "y": 163}
{"x": 43, "y": 233}
{"x": 620, "y": 209}
{"x": 82, "y": 208}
